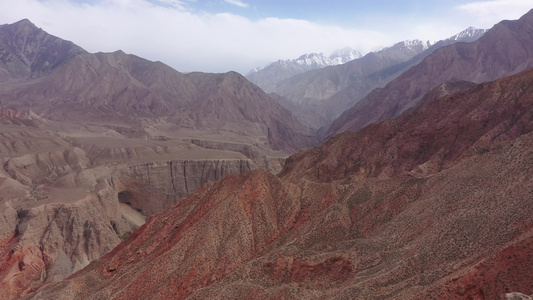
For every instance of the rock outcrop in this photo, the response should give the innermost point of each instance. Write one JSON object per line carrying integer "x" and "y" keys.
{"x": 68, "y": 200}
{"x": 517, "y": 296}
{"x": 52, "y": 239}
{"x": 434, "y": 204}
{"x": 92, "y": 144}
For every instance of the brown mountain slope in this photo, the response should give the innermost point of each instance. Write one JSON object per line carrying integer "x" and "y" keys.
{"x": 230, "y": 102}
{"x": 504, "y": 50}
{"x": 408, "y": 208}
{"x": 62, "y": 82}
{"x": 28, "y": 52}
{"x": 92, "y": 144}
{"x": 125, "y": 88}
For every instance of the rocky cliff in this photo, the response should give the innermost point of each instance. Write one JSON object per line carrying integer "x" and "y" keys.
{"x": 154, "y": 186}
{"x": 69, "y": 200}
{"x": 272, "y": 162}
{"x": 434, "y": 204}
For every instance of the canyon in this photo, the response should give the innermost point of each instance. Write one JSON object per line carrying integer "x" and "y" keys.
{"x": 93, "y": 144}
{"x": 432, "y": 204}
{"x": 123, "y": 178}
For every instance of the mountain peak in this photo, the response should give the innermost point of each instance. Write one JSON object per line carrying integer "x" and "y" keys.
{"x": 468, "y": 35}
{"x": 267, "y": 77}
{"x": 501, "y": 51}
{"x": 528, "y": 15}
{"x": 411, "y": 45}
{"x": 24, "y": 22}
{"x": 31, "y": 52}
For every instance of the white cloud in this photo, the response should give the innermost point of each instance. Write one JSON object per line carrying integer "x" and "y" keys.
{"x": 488, "y": 13}
{"x": 185, "y": 40}
{"x": 190, "y": 40}
{"x": 238, "y": 3}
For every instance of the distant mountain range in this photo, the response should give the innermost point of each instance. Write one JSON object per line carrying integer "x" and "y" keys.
{"x": 313, "y": 60}
{"x": 267, "y": 77}
{"x": 504, "y": 50}
{"x": 326, "y": 92}
{"x": 58, "y": 80}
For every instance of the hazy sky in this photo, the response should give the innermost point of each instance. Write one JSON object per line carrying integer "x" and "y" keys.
{"x": 224, "y": 35}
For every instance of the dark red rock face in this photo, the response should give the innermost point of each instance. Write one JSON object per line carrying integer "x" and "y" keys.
{"x": 424, "y": 142}
{"x": 434, "y": 204}
{"x": 71, "y": 121}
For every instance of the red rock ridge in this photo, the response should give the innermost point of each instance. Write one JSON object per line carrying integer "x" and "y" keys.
{"x": 404, "y": 209}
{"x": 425, "y": 141}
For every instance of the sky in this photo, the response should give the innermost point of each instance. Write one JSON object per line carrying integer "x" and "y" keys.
{"x": 238, "y": 35}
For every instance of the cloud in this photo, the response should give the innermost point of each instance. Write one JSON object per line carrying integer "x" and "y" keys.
{"x": 172, "y": 3}
{"x": 238, "y": 3}
{"x": 490, "y": 12}
{"x": 187, "y": 38}
{"x": 184, "y": 39}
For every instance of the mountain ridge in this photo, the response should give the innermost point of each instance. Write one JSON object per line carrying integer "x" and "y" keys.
{"x": 331, "y": 90}
{"x": 93, "y": 144}
{"x": 503, "y": 50}
{"x": 38, "y": 53}
{"x": 85, "y": 86}
{"x": 324, "y": 231}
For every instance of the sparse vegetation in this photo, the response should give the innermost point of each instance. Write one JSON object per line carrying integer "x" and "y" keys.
{"x": 126, "y": 235}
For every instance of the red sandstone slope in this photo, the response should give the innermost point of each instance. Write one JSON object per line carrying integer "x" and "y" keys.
{"x": 426, "y": 141}
{"x": 504, "y": 50}
{"x": 118, "y": 148}
{"x": 435, "y": 204}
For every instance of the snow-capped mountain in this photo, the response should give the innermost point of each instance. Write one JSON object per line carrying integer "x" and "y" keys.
{"x": 276, "y": 71}
{"x": 316, "y": 60}
{"x": 471, "y": 33}
{"x": 320, "y": 60}
{"x": 330, "y": 91}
